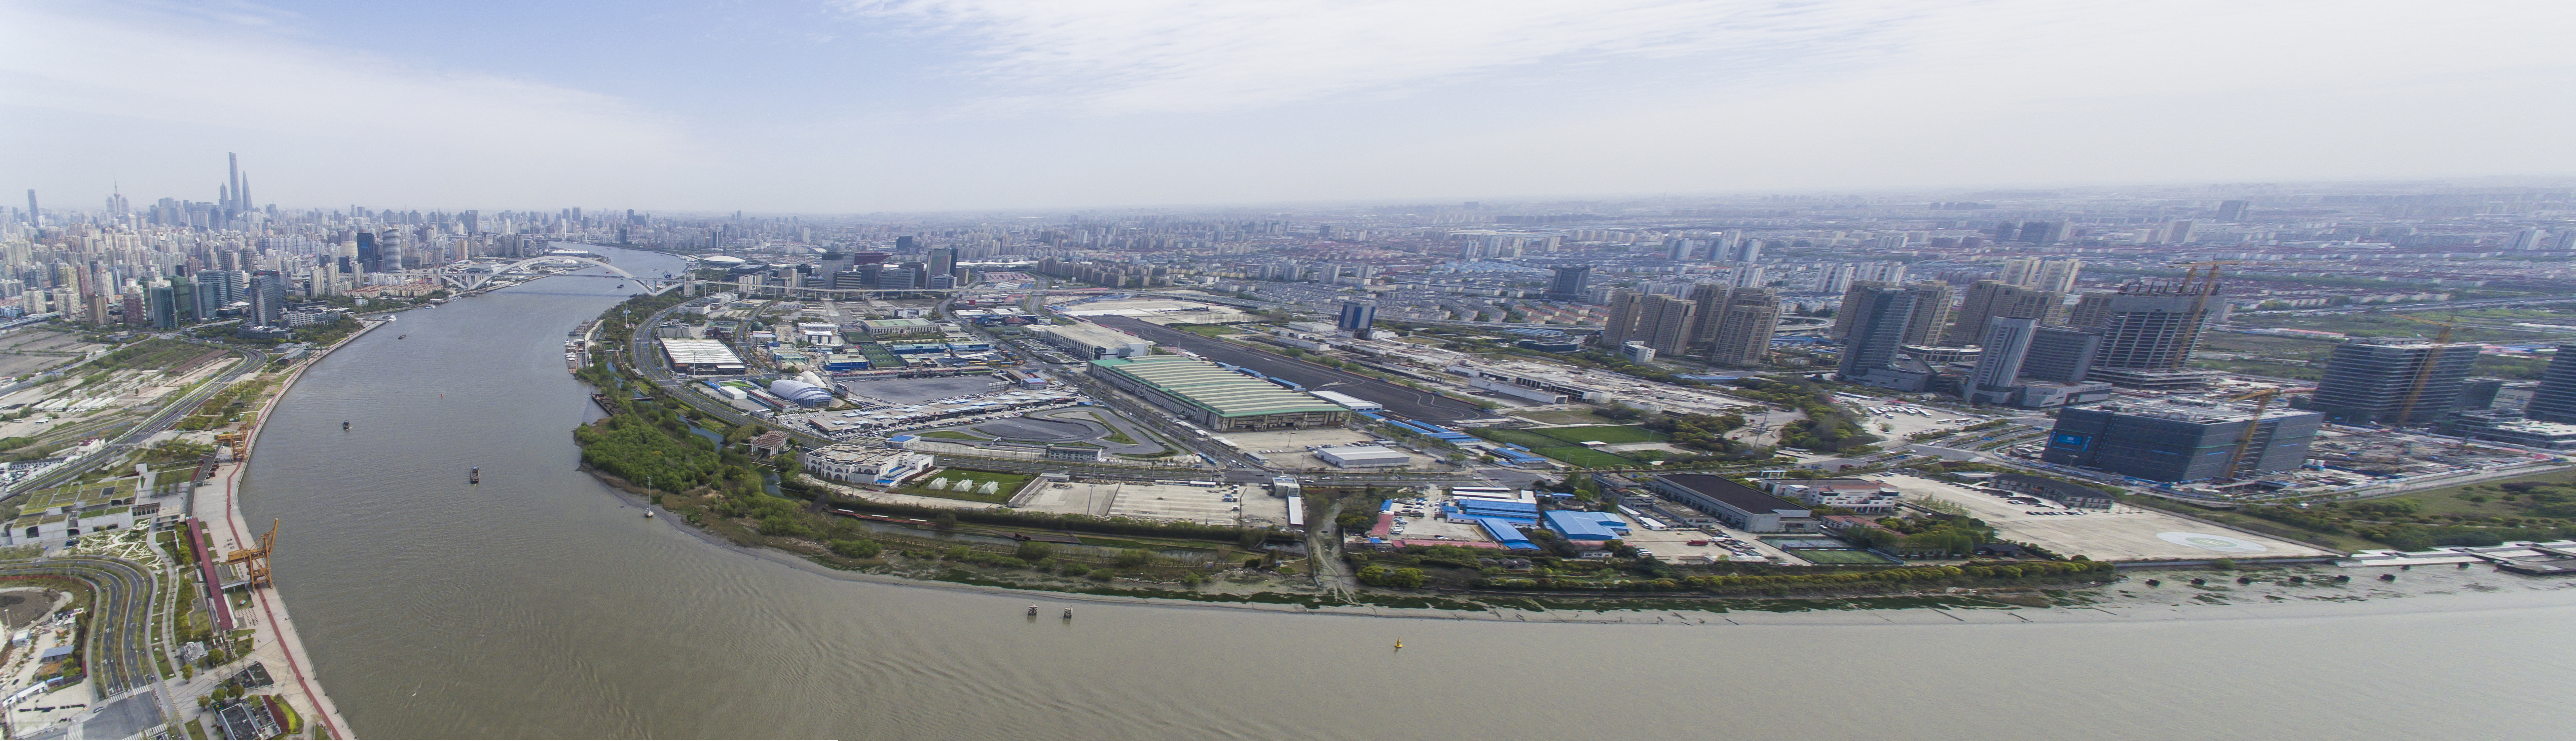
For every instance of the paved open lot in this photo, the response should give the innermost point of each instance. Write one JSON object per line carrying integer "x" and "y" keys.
{"x": 2124, "y": 533}
{"x": 1254, "y": 506}
{"x": 918, "y": 390}
{"x": 1403, "y": 402}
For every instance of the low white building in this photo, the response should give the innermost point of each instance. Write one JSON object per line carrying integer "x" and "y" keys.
{"x": 1363, "y": 456}
{"x": 865, "y": 465}
{"x": 1864, "y": 496}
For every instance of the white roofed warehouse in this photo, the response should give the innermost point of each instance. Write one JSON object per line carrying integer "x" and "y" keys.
{"x": 700, "y": 357}
{"x": 1364, "y": 456}
{"x": 1222, "y": 400}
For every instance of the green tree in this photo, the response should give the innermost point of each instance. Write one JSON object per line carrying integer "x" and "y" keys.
{"x": 946, "y": 521}
{"x": 857, "y": 548}
{"x": 1033, "y": 551}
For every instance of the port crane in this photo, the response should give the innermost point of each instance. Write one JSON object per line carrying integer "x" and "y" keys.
{"x": 256, "y": 559}
{"x": 2245, "y": 441}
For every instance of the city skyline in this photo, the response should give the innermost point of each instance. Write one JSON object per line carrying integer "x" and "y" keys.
{"x": 929, "y": 106}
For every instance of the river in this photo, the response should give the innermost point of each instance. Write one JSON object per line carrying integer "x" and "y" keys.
{"x": 540, "y": 604}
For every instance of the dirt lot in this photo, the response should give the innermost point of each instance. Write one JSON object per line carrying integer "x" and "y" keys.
{"x": 1257, "y": 508}
{"x": 2124, "y": 533}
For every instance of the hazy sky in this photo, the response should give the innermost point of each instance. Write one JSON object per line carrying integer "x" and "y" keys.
{"x": 936, "y": 104}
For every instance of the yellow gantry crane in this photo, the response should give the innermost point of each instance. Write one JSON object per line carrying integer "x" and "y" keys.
{"x": 256, "y": 558}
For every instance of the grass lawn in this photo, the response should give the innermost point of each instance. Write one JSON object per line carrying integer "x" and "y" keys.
{"x": 1577, "y": 455}
{"x": 2454, "y": 500}
{"x": 1523, "y": 438}
{"x": 1612, "y": 434}
{"x": 1839, "y": 557}
{"x": 951, "y": 435}
{"x": 1010, "y": 484}
{"x": 1565, "y": 417}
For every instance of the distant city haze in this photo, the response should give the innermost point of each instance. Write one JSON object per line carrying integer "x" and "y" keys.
{"x": 933, "y": 105}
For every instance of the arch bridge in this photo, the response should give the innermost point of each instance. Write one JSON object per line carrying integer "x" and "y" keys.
{"x": 464, "y": 281}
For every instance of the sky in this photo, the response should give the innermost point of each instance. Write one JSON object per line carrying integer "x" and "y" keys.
{"x": 857, "y": 106}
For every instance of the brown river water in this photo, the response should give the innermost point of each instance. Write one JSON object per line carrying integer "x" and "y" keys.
{"x": 540, "y": 604}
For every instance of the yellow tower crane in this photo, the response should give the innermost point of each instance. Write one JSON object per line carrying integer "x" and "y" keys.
{"x": 2423, "y": 374}
{"x": 2244, "y": 442}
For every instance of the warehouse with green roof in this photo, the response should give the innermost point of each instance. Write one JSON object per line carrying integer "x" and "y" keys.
{"x": 1222, "y": 400}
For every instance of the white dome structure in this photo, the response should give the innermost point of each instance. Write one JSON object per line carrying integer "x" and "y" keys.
{"x": 800, "y": 392}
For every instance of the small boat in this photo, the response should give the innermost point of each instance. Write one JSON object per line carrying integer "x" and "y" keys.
{"x": 1399, "y": 644}
{"x": 400, "y": 336}
{"x": 475, "y": 476}
{"x": 344, "y": 425}
{"x": 648, "y": 513}
{"x": 1068, "y": 613}
{"x": 1033, "y": 610}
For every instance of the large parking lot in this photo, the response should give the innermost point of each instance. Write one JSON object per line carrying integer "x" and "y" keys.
{"x": 2123, "y": 533}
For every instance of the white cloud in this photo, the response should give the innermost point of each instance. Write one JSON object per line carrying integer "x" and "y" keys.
{"x": 247, "y": 71}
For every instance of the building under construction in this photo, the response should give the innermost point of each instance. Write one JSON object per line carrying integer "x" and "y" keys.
{"x": 2182, "y": 439}
{"x": 2395, "y": 383}
{"x": 2149, "y": 330}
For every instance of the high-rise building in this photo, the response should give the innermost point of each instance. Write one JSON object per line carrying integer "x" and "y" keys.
{"x": 1989, "y": 299}
{"x": 1743, "y": 333}
{"x": 2006, "y": 343}
{"x": 164, "y": 303}
{"x": 1569, "y": 283}
{"x": 2234, "y": 211}
{"x": 2397, "y": 384}
{"x": 1931, "y": 313}
{"x": 2555, "y": 400}
{"x": 2146, "y": 329}
{"x": 1679, "y": 249}
{"x": 1664, "y": 323}
{"x": 2527, "y": 239}
{"x": 1623, "y": 318}
{"x": 1843, "y": 317}
{"x": 2177, "y": 232}
{"x": 2061, "y": 354}
{"x": 1833, "y": 279}
{"x": 1879, "y": 316}
{"x": 1357, "y": 317}
{"x": 1706, "y": 302}
{"x": 266, "y": 292}
{"x": 369, "y": 255}
{"x": 943, "y": 261}
{"x": 2167, "y": 441}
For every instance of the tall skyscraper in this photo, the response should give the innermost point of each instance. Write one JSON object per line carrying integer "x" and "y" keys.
{"x": 2555, "y": 400}
{"x": 2007, "y": 344}
{"x": 2399, "y": 384}
{"x": 1707, "y": 300}
{"x": 1931, "y": 313}
{"x": 1988, "y": 299}
{"x": 2060, "y": 354}
{"x": 1743, "y": 332}
{"x": 1569, "y": 283}
{"x": 943, "y": 261}
{"x": 2146, "y": 329}
{"x": 1664, "y": 323}
{"x": 1680, "y": 249}
{"x": 1623, "y": 318}
{"x": 2234, "y": 211}
{"x": 1834, "y": 279}
{"x": 267, "y": 296}
{"x": 34, "y": 217}
{"x": 1844, "y": 318}
{"x": 1357, "y": 317}
{"x": 1879, "y": 317}
{"x": 2177, "y": 232}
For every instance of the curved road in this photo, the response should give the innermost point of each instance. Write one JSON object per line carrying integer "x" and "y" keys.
{"x": 117, "y": 647}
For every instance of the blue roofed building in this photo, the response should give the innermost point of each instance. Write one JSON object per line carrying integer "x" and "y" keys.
{"x": 1587, "y": 525}
{"x": 1504, "y": 532}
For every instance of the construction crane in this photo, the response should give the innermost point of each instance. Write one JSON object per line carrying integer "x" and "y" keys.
{"x": 2424, "y": 374}
{"x": 2262, "y": 403}
{"x": 256, "y": 558}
